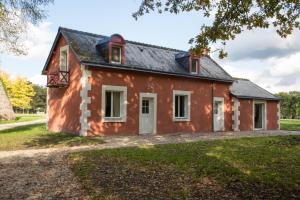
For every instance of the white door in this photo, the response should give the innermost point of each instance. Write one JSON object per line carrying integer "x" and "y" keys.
{"x": 218, "y": 109}
{"x": 147, "y": 115}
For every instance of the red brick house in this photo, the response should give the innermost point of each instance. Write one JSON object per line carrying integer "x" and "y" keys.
{"x": 100, "y": 85}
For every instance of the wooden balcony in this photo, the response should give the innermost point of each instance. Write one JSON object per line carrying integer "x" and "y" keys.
{"x": 58, "y": 79}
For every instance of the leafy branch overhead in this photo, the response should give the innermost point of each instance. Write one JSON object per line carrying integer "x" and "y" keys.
{"x": 230, "y": 17}
{"x": 14, "y": 18}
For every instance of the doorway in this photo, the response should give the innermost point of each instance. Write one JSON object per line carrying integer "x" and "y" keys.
{"x": 147, "y": 119}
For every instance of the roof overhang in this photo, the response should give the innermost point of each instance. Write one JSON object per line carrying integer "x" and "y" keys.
{"x": 256, "y": 97}
{"x": 131, "y": 68}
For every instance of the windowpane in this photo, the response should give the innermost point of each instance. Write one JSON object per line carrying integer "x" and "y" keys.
{"x": 182, "y": 106}
{"x": 63, "y": 60}
{"x": 116, "y": 104}
{"x": 145, "y": 106}
{"x": 116, "y": 54}
{"x": 194, "y": 66}
{"x": 176, "y": 106}
{"x": 107, "y": 104}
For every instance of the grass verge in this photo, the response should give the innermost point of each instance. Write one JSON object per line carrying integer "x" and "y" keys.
{"x": 290, "y": 124}
{"x": 23, "y": 118}
{"x": 247, "y": 168}
{"x": 36, "y": 136}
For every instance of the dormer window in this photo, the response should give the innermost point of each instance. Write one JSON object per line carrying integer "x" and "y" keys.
{"x": 116, "y": 55}
{"x": 194, "y": 68}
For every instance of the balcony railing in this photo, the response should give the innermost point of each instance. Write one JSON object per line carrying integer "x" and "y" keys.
{"x": 58, "y": 79}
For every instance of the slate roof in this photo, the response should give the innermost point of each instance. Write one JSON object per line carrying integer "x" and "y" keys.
{"x": 244, "y": 88}
{"x": 139, "y": 57}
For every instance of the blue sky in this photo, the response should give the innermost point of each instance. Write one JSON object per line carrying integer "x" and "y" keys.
{"x": 259, "y": 55}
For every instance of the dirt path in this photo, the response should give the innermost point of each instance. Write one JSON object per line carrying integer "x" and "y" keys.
{"x": 39, "y": 177}
{"x": 44, "y": 173}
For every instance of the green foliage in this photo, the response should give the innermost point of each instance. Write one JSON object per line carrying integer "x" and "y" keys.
{"x": 14, "y": 18}
{"x": 39, "y": 99}
{"x": 230, "y": 17}
{"x": 290, "y": 105}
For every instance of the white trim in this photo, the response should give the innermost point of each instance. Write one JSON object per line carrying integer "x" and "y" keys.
{"x": 265, "y": 121}
{"x": 64, "y": 48}
{"x": 85, "y": 100}
{"x": 222, "y": 100}
{"x": 188, "y": 94}
{"x": 148, "y": 95}
{"x": 278, "y": 115}
{"x": 236, "y": 114}
{"x": 123, "y": 108}
{"x": 47, "y": 109}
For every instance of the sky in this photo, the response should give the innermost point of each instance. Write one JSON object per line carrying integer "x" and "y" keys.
{"x": 260, "y": 55}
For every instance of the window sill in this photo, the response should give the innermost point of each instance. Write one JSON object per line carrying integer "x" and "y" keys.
{"x": 181, "y": 119}
{"x": 114, "y": 119}
{"x": 116, "y": 63}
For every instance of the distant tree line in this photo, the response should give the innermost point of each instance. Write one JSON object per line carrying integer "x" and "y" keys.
{"x": 290, "y": 105}
{"x": 24, "y": 96}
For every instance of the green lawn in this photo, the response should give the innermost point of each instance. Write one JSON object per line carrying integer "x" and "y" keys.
{"x": 36, "y": 136}
{"x": 23, "y": 118}
{"x": 248, "y": 168}
{"x": 290, "y": 124}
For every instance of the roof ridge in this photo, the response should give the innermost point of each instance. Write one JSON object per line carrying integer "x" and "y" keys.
{"x": 238, "y": 78}
{"x": 130, "y": 41}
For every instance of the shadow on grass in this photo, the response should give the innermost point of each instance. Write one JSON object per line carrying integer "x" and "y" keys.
{"x": 61, "y": 139}
{"x": 134, "y": 173}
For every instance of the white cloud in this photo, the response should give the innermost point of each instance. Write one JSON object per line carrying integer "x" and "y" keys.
{"x": 285, "y": 66}
{"x": 38, "y": 79}
{"x": 37, "y": 42}
{"x": 262, "y": 44}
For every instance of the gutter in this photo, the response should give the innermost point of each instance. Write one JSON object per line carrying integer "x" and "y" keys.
{"x": 254, "y": 97}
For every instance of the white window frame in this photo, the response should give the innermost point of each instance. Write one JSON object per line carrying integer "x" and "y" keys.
{"x": 62, "y": 49}
{"x": 114, "y": 62}
{"x": 188, "y": 110}
{"x": 265, "y": 121}
{"x": 123, "y": 101}
{"x": 197, "y": 65}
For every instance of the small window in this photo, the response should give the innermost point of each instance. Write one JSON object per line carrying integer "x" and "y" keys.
{"x": 114, "y": 103}
{"x": 116, "y": 54}
{"x": 194, "y": 67}
{"x": 145, "y": 106}
{"x": 63, "y": 61}
{"x": 181, "y": 100}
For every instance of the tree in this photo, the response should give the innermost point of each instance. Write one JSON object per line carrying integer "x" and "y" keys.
{"x": 14, "y": 18}
{"x": 290, "y": 104}
{"x": 19, "y": 90}
{"x": 230, "y": 18}
{"x": 21, "y": 93}
{"x": 38, "y": 102}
